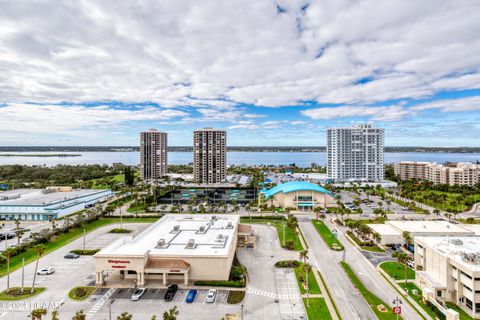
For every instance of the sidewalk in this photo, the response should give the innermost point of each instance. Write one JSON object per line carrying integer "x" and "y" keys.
{"x": 325, "y": 295}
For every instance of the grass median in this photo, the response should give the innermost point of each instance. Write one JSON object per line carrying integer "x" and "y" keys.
{"x": 380, "y": 308}
{"x": 64, "y": 238}
{"x": 396, "y": 270}
{"x": 15, "y": 293}
{"x": 317, "y": 310}
{"x": 327, "y": 235}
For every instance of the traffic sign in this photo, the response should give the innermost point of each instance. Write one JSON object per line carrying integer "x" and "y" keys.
{"x": 397, "y": 310}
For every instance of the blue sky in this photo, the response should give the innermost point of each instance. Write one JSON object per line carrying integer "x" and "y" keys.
{"x": 269, "y": 72}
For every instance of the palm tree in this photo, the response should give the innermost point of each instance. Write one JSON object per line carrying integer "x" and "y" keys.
{"x": 37, "y": 314}
{"x": 40, "y": 248}
{"x": 8, "y": 254}
{"x": 402, "y": 257}
{"x": 307, "y": 268}
{"x": 436, "y": 212}
{"x": 171, "y": 314}
{"x": 79, "y": 315}
{"x": 125, "y": 316}
{"x": 55, "y": 315}
{"x": 407, "y": 237}
{"x": 20, "y": 234}
{"x": 303, "y": 255}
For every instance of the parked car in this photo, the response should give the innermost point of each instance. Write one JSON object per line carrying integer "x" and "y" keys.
{"x": 411, "y": 264}
{"x": 137, "y": 294}
{"x": 8, "y": 235}
{"x": 46, "y": 271}
{"x": 191, "y": 295}
{"x": 71, "y": 255}
{"x": 211, "y": 295}
{"x": 171, "y": 291}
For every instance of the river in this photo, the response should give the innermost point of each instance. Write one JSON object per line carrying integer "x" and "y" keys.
{"x": 301, "y": 159}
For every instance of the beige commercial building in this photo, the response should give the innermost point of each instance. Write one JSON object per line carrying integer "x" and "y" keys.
{"x": 449, "y": 271}
{"x": 391, "y": 232}
{"x": 153, "y": 154}
{"x": 299, "y": 195}
{"x": 176, "y": 249}
{"x": 209, "y": 155}
{"x": 462, "y": 173}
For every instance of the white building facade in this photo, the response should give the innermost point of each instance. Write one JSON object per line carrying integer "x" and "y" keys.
{"x": 355, "y": 153}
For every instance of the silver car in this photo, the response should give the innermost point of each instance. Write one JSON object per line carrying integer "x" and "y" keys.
{"x": 137, "y": 294}
{"x": 46, "y": 271}
{"x": 211, "y": 295}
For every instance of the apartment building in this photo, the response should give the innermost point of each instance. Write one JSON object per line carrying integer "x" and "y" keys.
{"x": 153, "y": 154}
{"x": 449, "y": 271}
{"x": 355, "y": 153}
{"x": 462, "y": 173}
{"x": 209, "y": 155}
{"x": 407, "y": 170}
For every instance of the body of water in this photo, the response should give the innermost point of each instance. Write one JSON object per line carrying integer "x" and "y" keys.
{"x": 301, "y": 159}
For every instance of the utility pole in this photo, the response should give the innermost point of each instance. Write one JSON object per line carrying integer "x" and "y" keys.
{"x": 121, "y": 220}
{"x": 283, "y": 234}
{"x": 242, "y": 312}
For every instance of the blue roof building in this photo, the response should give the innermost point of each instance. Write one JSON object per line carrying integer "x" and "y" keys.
{"x": 299, "y": 195}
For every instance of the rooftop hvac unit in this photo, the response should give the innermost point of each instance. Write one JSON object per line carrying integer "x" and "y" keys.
{"x": 162, "y": 243}
{"x": 176, "y": 228}
{"x": 191, "y": 244}
{"x": 229, "y": 225}
{"x": 456, "y": 242}
{"x": 201, "y": 229}
{"x": 214, "y": 218}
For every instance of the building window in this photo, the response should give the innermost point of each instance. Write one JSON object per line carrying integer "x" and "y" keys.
{"x": 439, "y": 293}
{"x": 477, "y": 307}
{"x": 468, "y": 303}
{"x": 466, "y": 287}
{"x": 466, "y": 275}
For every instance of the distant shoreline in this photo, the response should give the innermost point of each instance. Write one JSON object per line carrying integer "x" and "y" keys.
{"x": 39, "y": 155}
{"x": 60, "y": 150}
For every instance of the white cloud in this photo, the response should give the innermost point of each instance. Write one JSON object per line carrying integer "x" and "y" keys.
{"x": 211, "y": 53}
{"x": 73, "y": 119}
{"x": 390, "y": 113}
{"x": 451, "y": 105}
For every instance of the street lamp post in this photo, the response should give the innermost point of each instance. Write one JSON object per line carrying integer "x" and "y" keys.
{"x": 397, "y": 302}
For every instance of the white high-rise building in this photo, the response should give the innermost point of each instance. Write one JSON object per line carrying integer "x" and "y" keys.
{"x": 209, "y": 155}
{"x": 153, "y": 154}
{"x": 355, "y": 153}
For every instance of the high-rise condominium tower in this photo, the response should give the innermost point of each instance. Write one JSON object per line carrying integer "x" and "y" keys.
{"x": 153, "y": 154}
{"x": 355, "y": 153}
{"x": 209, "y": 155}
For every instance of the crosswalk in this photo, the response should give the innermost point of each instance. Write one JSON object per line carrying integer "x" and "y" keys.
{"x": 100, "y": 303}
{"x": 272, "y": 295}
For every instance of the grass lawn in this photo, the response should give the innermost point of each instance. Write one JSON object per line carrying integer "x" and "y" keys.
{"x": 453, "y": 201}
{"x": 463, "y": 314}
{"x": 81, "y": 293}
{"x": 372, "y": 300}
{"x": 64, "y": 238}
{"x": 327, "y": 235}
{"x": 137, "y": 207}
{"x": 397, "y": 271}
{"x": 312, "y": 282}
{"x": 15, "y": 293}
{"x": 97, "y": 183}
{"x": 318, "y": 309}
{"x": 406, "y": 205}
{"x": 417, "y": 297}
{"x": 278, "y": 224}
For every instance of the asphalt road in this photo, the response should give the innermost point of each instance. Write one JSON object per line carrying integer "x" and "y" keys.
{"x": 372, "y": 279}
{"x": 351, "y": 304}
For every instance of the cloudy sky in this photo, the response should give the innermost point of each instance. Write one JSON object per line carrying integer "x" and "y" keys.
{"x": 92, "y": 72}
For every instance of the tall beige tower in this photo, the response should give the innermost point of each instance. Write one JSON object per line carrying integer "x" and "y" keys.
{"x": 209, "y": 155}
{"x": 153, "y": 154}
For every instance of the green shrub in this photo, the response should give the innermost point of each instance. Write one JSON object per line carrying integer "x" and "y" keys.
{"x": 287, "y": 264}
{"x": 119, "y": 230}
{"x": 289, "y": 245}
{"x": 220, "y": 283}
{"x": 86, "y": 252}
{"x": 235, "y": 297}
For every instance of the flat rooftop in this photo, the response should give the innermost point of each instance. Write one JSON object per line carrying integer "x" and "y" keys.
{"x": 384, "y": 229}
{"x": 38, "y": 197}
{"x": 209, "y": 235}
{"x": 437, "y": 226}
{"x": 463, "y": 250}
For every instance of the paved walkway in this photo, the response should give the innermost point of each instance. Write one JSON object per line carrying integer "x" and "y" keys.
{"x": 291, "y": 308}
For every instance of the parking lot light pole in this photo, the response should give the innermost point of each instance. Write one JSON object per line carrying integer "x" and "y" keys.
{"x": 241, "y": 315}
{"x": 23, "y": 273}
{"x": 84, "y": 235}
